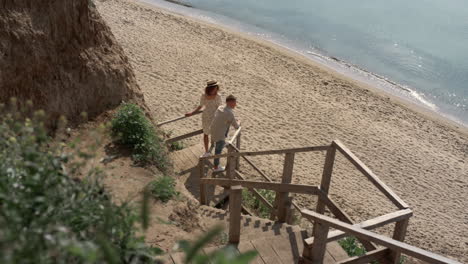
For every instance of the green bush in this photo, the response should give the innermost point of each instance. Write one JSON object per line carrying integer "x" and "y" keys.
{"x": 256, "y": 205}
{"x": 176, "y": 146}
{"x": 54, "y": 211}
{"x": 354, "y": 248}
{"x": 163, "y": 188}
{"x": 130, "y": 127}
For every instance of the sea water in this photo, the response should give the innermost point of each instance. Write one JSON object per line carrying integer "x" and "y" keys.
{"x": 415, "y": 49}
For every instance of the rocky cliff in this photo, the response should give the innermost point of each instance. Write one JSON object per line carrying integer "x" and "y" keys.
{"x": 61, "y": 55}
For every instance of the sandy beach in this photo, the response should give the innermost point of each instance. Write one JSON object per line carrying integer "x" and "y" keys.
{"x": 286, "y": 100}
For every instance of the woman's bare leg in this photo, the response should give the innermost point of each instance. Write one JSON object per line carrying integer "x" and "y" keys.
{"x": 206, "y": 141}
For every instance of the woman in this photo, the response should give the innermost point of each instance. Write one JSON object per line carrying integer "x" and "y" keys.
{"x": 210, "y": 100}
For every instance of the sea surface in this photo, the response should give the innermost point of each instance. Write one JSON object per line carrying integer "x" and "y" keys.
{"x": 417, "y": 49}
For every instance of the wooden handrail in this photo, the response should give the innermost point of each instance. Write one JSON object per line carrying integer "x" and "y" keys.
{"x": 268, "y": 152}
{"x": 263, "y": 175}
{"x": 278, "y": 187}
{"x": 254, "y": 166}
{"x": 368, "y": 224}
{"x": 177, "y": 119}
{"x": 377, "y": 238}
{"x": 256, "y": 193}
{"x": 236, "y": 134}
{"x": 370, "y": 175}
{"x": 184, "y": 136}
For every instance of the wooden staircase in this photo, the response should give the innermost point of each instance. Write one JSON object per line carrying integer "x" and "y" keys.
{"x": 275, "y": 242}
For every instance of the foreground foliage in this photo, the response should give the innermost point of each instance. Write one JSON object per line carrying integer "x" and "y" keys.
{"x": 227, "y": 255}
{"x": 51, "y": 209}
{"x": 354, "y": 248}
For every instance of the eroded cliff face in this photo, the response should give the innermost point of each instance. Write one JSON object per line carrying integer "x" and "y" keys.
{"x": 61, "y": 55}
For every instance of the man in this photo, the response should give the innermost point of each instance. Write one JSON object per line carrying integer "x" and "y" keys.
{"x": 223, "y": 119}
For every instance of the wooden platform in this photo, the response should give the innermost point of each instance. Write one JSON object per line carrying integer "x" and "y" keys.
{"x": 275, "y": 242}
{"x": 185, "y": 165}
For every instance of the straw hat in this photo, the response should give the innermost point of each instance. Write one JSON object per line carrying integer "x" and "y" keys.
{"x": 212, "y": 83}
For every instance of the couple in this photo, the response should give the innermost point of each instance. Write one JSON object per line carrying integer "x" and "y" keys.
{"x": 216, "y": 119}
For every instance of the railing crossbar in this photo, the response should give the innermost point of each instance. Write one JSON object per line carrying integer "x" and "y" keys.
{"x": 278, "y": 187}
{"x": 378, "y": 239}
{"x": 268, "y": 152}
{"x": 176, "y": 119}
{"x": 370, "y": 175}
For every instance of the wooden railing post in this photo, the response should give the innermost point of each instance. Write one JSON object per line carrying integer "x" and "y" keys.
{"x": 282, "y": 198}
{"x": 231, "y": 164}
{"x": 238, "y": 146}
{"x": 235, "y": 206}
{"x": 201, "y": 172}
{"x": 316, "y": 253}
{"x": 326, "y": 177}
{"x": 289, "y": 212}
{"x": 398, "y": 234}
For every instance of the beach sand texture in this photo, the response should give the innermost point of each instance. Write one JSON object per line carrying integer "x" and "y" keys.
{"x": 287, "y": 101}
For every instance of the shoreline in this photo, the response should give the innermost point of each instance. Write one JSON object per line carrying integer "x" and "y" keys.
{"x": 406, "y": 100}
{"x": 286, "y": 100}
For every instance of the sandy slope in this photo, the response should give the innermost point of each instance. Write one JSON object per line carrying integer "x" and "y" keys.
{"x": 287, "y": 101}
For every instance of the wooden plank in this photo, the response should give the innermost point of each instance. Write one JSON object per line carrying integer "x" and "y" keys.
{"x": 335, "y": 209}
{"x": 326, "y": 178}
{"x": 246, "y": 246}
{"x": 278, "y": 187}
{"x": 245, "y": 210}
{"x": 203, "y": 189}
{"x": 197, "y": 151}
{"x": 235, "y": 202}
{"x": 264, "y": 176}
{"x": 271, "y": 152}
{"x": 370, "y": 175}
{"x": 288, "y": 247}
{"x": 261, "y": 198}
{"x": 255, "y": 167}
{"x": 379, "y": 239}
{"x": 194, "y": 154}
{"x": 236, "y": 134}
{"x": 176, "y": 119}
{"x": 256, "y": 193}
{"x": 187, "y": 159}
{"x": 336, "y": 251}
{"x": 399, "y": 234}
{"x": 174, "y": 156}
{"x": 184, "y": 136}
{"x": 282, "y": 197}
{"x": 266, "y": 252}
{"x": 183, "y": 159}
{"x": 238, "y": 147}
{"x": 343, "y": 216}
{"x": 284, "y": 252}
{"x": 179, "y": 160}
{"x": 317, "y": 252}
{"x": 369, "y": 224}
{"x": 373, "y": 255}
{"x": 231, "y": 164}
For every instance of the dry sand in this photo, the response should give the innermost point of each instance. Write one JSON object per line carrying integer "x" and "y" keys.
{"x": 288, "y": 101}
